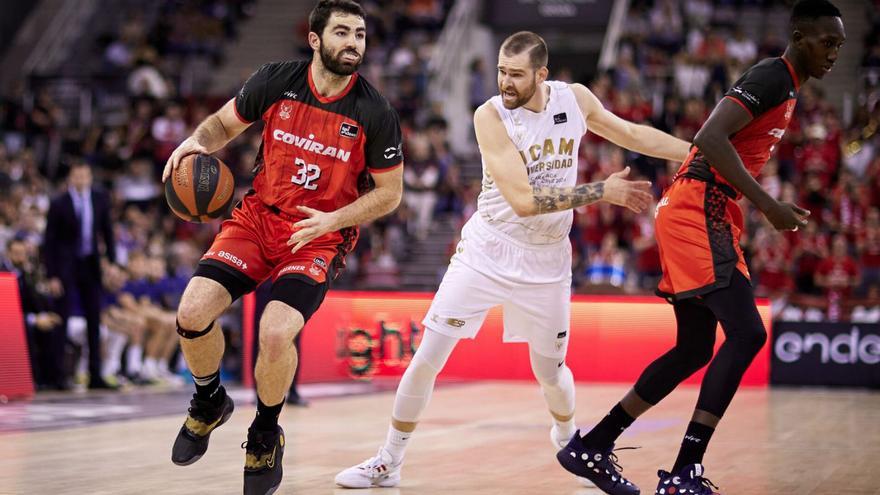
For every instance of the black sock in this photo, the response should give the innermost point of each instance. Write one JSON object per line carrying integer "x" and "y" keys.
{"x": 267, "y": 416}
{"x": 207, "y": 386}
{"x": 603, "y": 435}
{"x": 693, "y": 446}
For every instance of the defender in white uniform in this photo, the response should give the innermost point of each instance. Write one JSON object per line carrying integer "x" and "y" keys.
{"x": 514, "y": 250}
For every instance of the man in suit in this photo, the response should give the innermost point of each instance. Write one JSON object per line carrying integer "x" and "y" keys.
{"x": 45, "y": 334}
{"x": 78, "y": 225}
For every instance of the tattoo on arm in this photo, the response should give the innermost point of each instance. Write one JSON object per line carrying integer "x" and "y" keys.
{"x": 550, "y": 199}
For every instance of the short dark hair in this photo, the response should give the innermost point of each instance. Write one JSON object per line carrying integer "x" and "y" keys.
{"x": 14, "y": 240}
{"x": 808, "y": 10}
{"x": 321, "y": 13}
{"x": 526, "y": 41}
{"x": 79, "y": 162}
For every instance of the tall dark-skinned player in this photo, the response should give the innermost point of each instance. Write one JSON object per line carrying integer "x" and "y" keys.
{"x": 698, "y": 225}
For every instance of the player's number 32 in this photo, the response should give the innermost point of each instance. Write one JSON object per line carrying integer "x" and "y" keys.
{"x": 307, "y": 175}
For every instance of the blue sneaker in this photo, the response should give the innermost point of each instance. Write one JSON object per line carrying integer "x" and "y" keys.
{"x": 688, "y": 481}
{"x": 598, "y": 466}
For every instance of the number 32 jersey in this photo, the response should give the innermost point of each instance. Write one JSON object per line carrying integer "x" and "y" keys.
{"x": 316, "y": 151}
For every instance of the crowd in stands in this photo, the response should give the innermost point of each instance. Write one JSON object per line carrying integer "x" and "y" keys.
{"x": 676, "y": 59}
{"x": 675, "y": 62}
{"x": 156, "y": 69}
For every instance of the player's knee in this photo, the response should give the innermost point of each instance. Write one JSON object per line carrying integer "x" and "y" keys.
{"x": 278, "y": 326}
{"x": 420, "y": 369}
{"x": 192, "y": 316}
{"x": 275, "y": 341}
{"x": 751, "y": 340}
{"x": 699, "y": 357}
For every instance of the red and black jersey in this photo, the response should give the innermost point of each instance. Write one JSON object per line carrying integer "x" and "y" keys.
{"x": 768, "y": 91}
{"x": 317, "y": 151}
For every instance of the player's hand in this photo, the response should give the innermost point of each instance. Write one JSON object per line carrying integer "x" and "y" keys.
{"x": 47, "y": 321}
{"x": 787, "y": 216}
{"x": 188, "y": 147}
{"x": 635, "y": 195}
{"x": 315, "y": 225}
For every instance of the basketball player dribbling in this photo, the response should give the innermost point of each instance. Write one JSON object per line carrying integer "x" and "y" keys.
{"x": 698, "y": 224}
{"x": 330, "y": 160}
{"x": 514, "y": 251}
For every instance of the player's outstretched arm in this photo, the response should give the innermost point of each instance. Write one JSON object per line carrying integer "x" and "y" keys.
{"x": 211, "y": 135}
{"x": 382, "y": 200}
{"x": 505, "y": 167}
{"x": 636, "y": 137}
{"x": 713, "y": 140}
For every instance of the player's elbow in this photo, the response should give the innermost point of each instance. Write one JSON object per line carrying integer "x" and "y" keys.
{"x": 705, "y": 138}
{"x": 523, "y": 207}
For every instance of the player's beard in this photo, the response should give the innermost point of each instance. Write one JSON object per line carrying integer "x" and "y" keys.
{"x": 336, "y": 65}
{"x": 523, "y": 97}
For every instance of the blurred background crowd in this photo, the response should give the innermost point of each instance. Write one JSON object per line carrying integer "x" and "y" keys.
{"x": 151, "y": 80}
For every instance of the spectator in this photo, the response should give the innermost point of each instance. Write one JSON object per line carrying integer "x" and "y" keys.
{"x": 43, "y": 326}
{"x": 606, "y": 266}
{"x": 168, "y": 131}
{"x": 741, "y": 48}
{"x": 838, "y": 275}
{"x": 78, "y": 226}
{"x": 868, "y": 309}
{"x": 421, "y": 179}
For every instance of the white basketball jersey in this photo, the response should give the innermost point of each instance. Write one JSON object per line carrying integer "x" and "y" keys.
{"x": 548, "y": 144}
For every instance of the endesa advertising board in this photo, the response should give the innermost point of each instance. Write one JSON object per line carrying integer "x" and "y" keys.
{"x": 364, "y": 334}
{"x": 827, "y": 354}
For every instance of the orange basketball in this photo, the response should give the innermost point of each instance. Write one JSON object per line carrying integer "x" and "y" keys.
{"x": 200, "y": 189}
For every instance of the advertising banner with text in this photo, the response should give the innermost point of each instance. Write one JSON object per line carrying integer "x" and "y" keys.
{"x": 364, "y": 334}
{"x": 827, "y": 354}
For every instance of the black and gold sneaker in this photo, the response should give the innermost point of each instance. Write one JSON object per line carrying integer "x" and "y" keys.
{"x": 203, "y": 418}
{"x": 262, "y": 461}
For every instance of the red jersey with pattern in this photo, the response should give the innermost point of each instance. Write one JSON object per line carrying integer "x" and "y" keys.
{"x": 317, "y": 152}
{"x": 768, "y": 91}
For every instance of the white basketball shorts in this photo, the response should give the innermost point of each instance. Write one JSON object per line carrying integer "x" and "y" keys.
{"x": 531, "y": 283}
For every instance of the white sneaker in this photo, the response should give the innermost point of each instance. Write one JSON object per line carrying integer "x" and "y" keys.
{"x": 377, "y": 471}
{"x": 560, "y": 443}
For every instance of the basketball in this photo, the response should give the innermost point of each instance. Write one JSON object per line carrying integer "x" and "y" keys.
{"x": 200, "y": 189}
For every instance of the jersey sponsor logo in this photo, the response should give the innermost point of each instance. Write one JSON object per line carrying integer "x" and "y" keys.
{"x": 308, "y": 144}
{"x": 315, "y": 270}
{"x": 663, "y": 202}
{"x": 560, "y": 118}
{"x": 290, "y": 94}
{"x": 284, "y": 113}
{"x": 452, "y": 322}
{"x": 292, "y": 268}
{"x": 393, "y": 151}
{"x": 320, "y": 262}
{"x": 547, "y": 148}
{"x": 789, "y": 110}
{"x": 777, "y": 133}
{"x": 235, "y": 260}
{"x": 753, "y": 99}
{"x": 348, "y": 130}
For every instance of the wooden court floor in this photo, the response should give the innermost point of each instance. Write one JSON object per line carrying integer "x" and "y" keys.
{"x": 479, "y": 438}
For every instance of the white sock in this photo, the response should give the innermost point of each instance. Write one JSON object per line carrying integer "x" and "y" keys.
{"x": 115, "y": 344}
{"x": 134, "y": 359}
{"x": 395, "y": 444}
{"x": 566, "y": 429}
{"x": 150, "y": 369}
